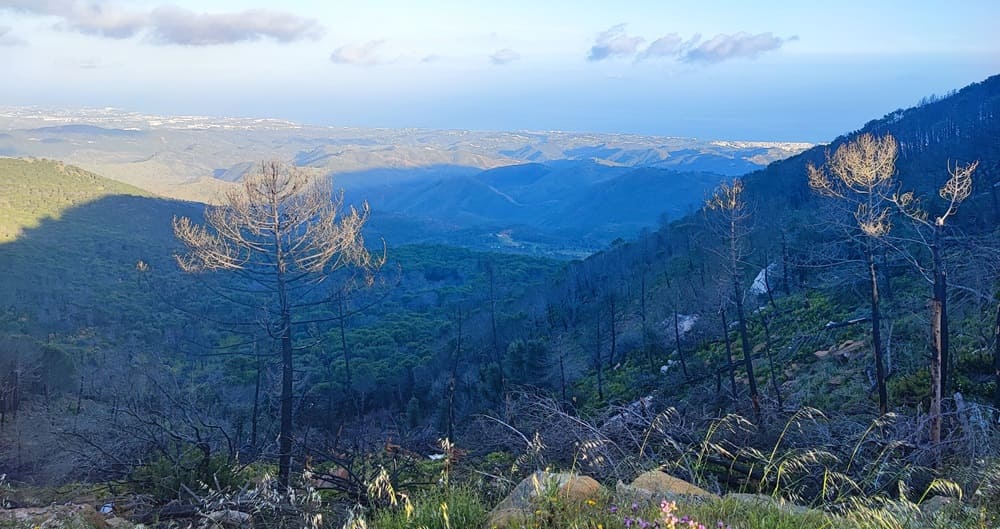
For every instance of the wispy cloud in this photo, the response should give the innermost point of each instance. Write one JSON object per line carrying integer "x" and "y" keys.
{"x": 668, "y": 45}
{"x": 723, "y": 47}
{"x": 169, "y": 24}
{"x": 365, "y": 54}
{"x": 427, "y": 59}
{"x": 614, "y": 42}
{"x": 173, "y": 25}
{"x": 103, "y": 19}
{"x": 504, "y": 56}
{"x": 6, "y": 39}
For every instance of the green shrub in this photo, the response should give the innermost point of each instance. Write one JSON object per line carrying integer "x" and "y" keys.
{"x": 165, "y": 477}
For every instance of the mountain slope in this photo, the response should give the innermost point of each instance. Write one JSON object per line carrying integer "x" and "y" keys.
{"x": 580, "y": 204}
{"x": 680, "y": 267}
{"x": 32, "y": 190}
{"x": 962, "y": 127}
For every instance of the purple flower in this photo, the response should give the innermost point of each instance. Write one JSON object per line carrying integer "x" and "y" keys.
{"x": 613, "y": 509}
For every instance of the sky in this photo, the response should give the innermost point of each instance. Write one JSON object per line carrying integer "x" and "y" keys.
{"x": 737, "y": 70}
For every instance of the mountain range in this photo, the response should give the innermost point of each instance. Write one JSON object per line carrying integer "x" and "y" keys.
{"x": 534, "y": 192}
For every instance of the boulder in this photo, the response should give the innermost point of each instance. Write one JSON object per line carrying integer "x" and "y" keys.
{"x": 932, "y": 505}
{"x": 118, "y": 523}
{"x": 765, "y": 500}
{"x": 69, "y": 515}
{"x": 661, "y": 483}
{"x": 515, "y": 509}
{"x": 231, "y": 518}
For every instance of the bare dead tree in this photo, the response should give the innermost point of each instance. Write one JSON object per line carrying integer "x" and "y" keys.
{"x": 955, "y": 191}
{"x": 863, "y": 173}
{"x": 728, "y": 201}
{"x": 283, "y": 235}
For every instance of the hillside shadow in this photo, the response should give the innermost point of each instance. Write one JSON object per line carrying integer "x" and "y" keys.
{"x": 81, "y": 267}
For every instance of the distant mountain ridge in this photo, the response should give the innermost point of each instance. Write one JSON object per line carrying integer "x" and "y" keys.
{"x": 194, "y": 157}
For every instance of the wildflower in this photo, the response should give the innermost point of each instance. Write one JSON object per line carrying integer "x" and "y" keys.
{"x": 613, "y": 509}
{"x": 591, "y": 502}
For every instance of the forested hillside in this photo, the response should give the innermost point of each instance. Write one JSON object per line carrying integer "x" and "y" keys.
{"x": 777, "y": 341}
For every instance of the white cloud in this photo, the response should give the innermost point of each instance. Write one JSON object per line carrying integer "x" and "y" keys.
{"x": 723, "y": 47}
{"x": 365, "y": 54}
{"x": 666, "y": 46}
{"x": 504, "y": 56}
{"x": 6, "y": 39}
{"x": 614, "y": 42}
{"x": 169, "y": 24}
{"x": 173, "y": 25}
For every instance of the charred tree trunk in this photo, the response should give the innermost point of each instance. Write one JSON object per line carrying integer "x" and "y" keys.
{"x": 729, "y": 353}
{"x": 647, "y": 350}
{"x": 677, "y": 342}
{"x": 562, "y": 377}
{"x": 745, "y": 345}
{"x": 453, "y": 380}
{"x": 939, "y": 338}
{"x": 770, "y": 360}
{"x": 598, "y": 361}
{"x": 285, "y": 435}
{"x": 614, "y": 332}
{"x": 498, "y": 355}
{"x": 343, "y": 341}
{"x": 941, "y": 308}
{"x": 996, "y": 203}
{"x": 256, "y": 401}
{"x": 883, "y": 396}
{"x": 786, "y": 285}
{"x": 996, "y": 360}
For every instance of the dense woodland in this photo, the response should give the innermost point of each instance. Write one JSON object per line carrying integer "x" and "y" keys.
{"x": 118, "y": 367}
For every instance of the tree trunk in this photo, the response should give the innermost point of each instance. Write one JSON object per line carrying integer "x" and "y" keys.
{"x": 939, "y": 338}
{"x": 256, "y": 401}
{"x": 770, "y": 360}
{"x": 747, "y": 351}
{"x": 562, "y": 378}
{"x": 343, "y": 342}
{"x": 677, "y": 340}
{"x": 941, "y": 310}
{"x": 598, "y": 362}
{"x": 996, "y": 203}
{"x": 996, "y": 360}
{"x": 647, "y": 350}
{"x": 729, "y": 353}
{"x": 883, "y": 396}
{"x": 784, "y": 264}
{"x": 741, "y": 318}
{"x": 498, "y": 355}
{"x": 285, "y": 435}
{"x": 614, "y": 333}
{"x": 453, "y": 381}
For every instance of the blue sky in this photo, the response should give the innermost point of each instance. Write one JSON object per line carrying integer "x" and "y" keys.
{"x": 730, "y": 70}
